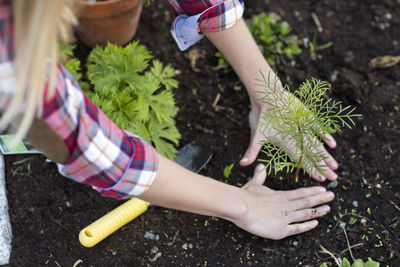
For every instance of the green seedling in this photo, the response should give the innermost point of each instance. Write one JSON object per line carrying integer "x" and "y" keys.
{"x": 273, "y": 38}
{"x": 295, "y": 119}
{"x": 132, "y": 89}
{"x": 357, "y": 263}
{"x": 227, "y": 171}
{"x": 314, "y": 46}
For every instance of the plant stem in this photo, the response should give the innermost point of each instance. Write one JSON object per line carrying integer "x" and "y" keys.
{"x": 296, "y": 175}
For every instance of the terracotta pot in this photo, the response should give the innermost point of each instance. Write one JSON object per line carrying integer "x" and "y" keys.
{"x": 113, "y": 21}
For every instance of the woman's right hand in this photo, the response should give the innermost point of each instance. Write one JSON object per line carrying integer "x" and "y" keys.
{"x": 278, "y": 214}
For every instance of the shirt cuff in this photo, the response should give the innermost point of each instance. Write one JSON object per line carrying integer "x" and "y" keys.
{"x": 186, "y": 30}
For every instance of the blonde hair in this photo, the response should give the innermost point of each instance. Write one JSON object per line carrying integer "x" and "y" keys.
{"x": 39, "y": 26}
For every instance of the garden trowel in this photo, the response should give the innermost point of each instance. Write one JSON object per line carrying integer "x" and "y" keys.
{"x": 191, "y": 157}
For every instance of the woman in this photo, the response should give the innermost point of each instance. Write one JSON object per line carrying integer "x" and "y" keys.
{"x": 43, "y": 102}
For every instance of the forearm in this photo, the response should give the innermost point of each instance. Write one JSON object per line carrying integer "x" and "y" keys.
{"x": 240, "y": 49}
{"x": 177, "y": 188}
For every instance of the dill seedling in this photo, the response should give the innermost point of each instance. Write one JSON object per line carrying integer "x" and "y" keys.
{"x": 295, "y": 119}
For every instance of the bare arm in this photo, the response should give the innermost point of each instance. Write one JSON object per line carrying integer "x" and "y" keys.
{"x": 240, "y": 49}
{"x": 254, "y": 207}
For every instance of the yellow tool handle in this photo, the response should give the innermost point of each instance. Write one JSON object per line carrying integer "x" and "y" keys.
{"x": 112, "y": 221}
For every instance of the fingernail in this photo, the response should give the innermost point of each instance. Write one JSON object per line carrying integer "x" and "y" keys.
{"x": 314, "y": 223}
{"x": 334, "y": 164}
{"x": 259, "y": 167}
{"x": 322, "y": 189}
{"x": 321, "y": 178}
{"x": 243, "y": 160}
{"x": 332, "y": 176}
{"x": 326, "y": 209}
{"x": 329, "y": 196}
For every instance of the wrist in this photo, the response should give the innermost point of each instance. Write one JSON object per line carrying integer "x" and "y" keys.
{"x": 236, "y": 210}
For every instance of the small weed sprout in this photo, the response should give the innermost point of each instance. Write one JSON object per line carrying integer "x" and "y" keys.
{"x": 294, "y": 118}
{"x": 228, "y": 170}
{"x": 314, "y": 47}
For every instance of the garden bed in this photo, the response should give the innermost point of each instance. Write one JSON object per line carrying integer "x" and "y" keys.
{"x": 47, "y": 211}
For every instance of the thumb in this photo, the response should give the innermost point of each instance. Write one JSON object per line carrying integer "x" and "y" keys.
{"x": 253, "y": 149}
{"x": 259, "y": 176}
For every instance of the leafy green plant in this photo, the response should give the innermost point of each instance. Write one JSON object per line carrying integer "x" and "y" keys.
{"x": 134, "y": 91}
{"x": 357, "y": 263}
{"x": 294, "y": 118}
{"x": 273, "y": 39}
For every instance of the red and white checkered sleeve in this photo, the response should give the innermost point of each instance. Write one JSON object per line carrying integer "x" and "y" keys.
{"x": 114, "y": 162}
{"x": 196, "y": 17}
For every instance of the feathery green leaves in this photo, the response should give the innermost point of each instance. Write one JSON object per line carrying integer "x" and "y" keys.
{"x": 302, "y": 118}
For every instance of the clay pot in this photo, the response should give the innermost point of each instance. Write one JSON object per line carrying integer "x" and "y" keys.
{"x": 113, "y": 21}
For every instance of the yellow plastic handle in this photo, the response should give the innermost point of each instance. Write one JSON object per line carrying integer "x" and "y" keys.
{"x": 112, "y": 221}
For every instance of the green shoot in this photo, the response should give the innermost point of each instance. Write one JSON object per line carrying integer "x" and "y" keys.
{"x": 227, "y": 171}
{"x": 314, "y": 47}
{"x": 357, "y": 263}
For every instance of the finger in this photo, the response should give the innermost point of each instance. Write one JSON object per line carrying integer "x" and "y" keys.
{"x": 260, "y": 174}
{"x": 319, "y": 164}
{"x": 330, "y": 160}
{"x": 330, "y": 141}
{"x": 308, "y": 214}
{"x": 319, "y": 171}
{"x": 324, "y": 168}
{"x": 253, "y": 149}
{"x": 311, "y": 201}
{"x": 304, "y": 192}
{"x": 298, "y": 228}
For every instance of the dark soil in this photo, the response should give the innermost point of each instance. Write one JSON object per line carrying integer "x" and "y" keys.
{"x": 47, "y": 211}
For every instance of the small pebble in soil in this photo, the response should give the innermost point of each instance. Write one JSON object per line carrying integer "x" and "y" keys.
{"x": 378, "y": 186}
{"x": 156, "y": 257}
{"x": 334, "y": 76}
{"x": 187, "y": 246}
{"x": 349, "y": 56}
{"x": 364, "y": 181}
{"x": 208, "y": 131}
{"x": 68, "y": 204}
{"x": 295, "y": 243}
{"x": 154, "y": 250}
{"x": 332, "y": 184}
{"x": 151, "y": 236}
{"x": 355, "y": 203}
{"x": 388, "y": 16}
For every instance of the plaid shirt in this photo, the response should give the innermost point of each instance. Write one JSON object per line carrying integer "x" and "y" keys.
{"x": 113, "y": 161}
{"x": 195, "y": 17}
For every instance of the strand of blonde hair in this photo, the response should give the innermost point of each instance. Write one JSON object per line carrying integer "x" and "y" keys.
{"x": 39, "y": 26}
